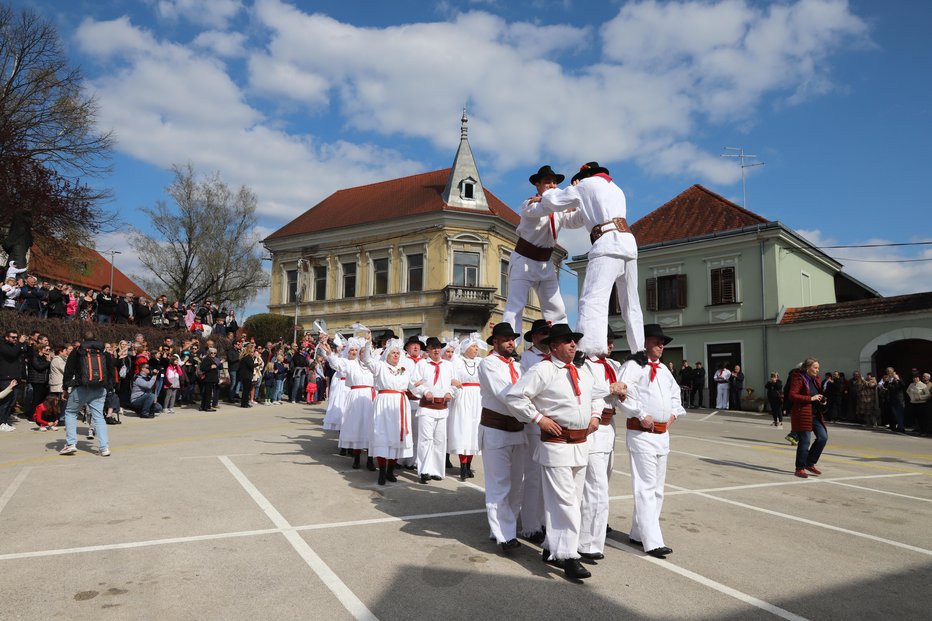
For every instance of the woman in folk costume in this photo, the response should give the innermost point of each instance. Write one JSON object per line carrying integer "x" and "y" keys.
{"x": 466, "y": 409}
{"x": 357, "y": 411}
{"x": 390, "y": 438}
{"x": 333, "y": 418}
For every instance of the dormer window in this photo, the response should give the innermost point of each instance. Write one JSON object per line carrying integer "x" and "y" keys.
{"x": 468, "y": 189}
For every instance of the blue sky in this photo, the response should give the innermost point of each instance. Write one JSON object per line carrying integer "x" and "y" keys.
{"x": 299, "y": 99}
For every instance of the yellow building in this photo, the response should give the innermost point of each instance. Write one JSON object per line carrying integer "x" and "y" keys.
{"x": 426, "y": 254}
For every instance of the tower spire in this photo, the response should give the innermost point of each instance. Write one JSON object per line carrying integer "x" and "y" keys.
{"x": 463, "y": 128}
{"x": 464, "y": 189}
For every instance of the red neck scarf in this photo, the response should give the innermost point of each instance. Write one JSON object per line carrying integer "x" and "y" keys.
{"x": 436, "y": 371}
{"x": 654, "y": 366}
{"x": 604, "y": 176}
{"x": 511, "y": 367}
{"x": 574, "y": 378}
{"x": 609, "y": 371}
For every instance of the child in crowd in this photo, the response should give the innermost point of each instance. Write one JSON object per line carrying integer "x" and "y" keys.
{"x": 47, "y": 414}
{"x": 268, "y": 382}
{"x": 173, "y": 377}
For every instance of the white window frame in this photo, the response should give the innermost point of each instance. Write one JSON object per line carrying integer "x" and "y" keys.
{"x": 341, "y": 260}
{"x": 420, "y": 249}
{"x": 373, "y": 255}
{"x": 468, "y": 242}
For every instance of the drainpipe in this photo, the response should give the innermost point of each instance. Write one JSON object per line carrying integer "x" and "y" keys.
{"x": 763, "y": 311}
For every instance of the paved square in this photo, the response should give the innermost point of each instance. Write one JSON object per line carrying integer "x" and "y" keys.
{"x": 252, "y": 514}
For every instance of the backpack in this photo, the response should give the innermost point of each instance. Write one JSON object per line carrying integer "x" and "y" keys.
{"x": 92, "y": 367}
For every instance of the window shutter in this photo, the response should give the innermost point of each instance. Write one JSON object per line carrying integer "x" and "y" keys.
{"x": 716, "y": 286}
{"x": 681, "y": 291}
{"x": 651, "y": 294}
{"x": 728, "y": 285}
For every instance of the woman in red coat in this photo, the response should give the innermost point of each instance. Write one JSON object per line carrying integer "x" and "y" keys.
{"x": 805, "y": 393}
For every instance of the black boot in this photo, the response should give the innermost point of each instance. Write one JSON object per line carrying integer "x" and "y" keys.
{"x": 370, "y": 465}
{"x": 449, "y": 466}
{"x": 382, "y": 475}
{"x": 464, "y": 472}
{"x": 342, "y": 452}
{"x": 356, "y": 461}
{"x": 390, "y": 475}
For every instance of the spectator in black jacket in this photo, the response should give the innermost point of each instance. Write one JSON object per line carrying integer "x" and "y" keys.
{"x": 233, "y": 357}
{"x": 685, "y": 380}
{"x": 143, "y": 312}
{"x": 32, "y": 295}
{"x": 735, "y": 388}
{"x": 696, "y": 394}
{"x": 210, "y": 371}
{"x": 12, "y": 367}
{"x": 55, "y": 302}
{"x": 247, "y": 365}
{"x": 126, "y": 309}
{"x": 106, "y": 305}
{"x": 38, "y": 363}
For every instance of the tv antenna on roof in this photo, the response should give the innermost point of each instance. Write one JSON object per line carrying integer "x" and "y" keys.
{"x": 742, "y": 157}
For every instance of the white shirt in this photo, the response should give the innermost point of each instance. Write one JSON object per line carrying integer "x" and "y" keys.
{"x": 659, "y": 399}
{"x": 425, "y": 371}
{"x": 495, "y": 380}
{"x": 530, "y": 357}
{"x": 541, "y": 229}
{"x": 599, "y": 200}
{"x": 723, "y": 374}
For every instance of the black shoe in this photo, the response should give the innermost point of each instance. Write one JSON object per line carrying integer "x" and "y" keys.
{"x": 470, "y": 473}
{"x": 536, "y": 538}
{"x": 424, "y": 479}
{"x": 608, "y": 529}
{"x": 410, "y": 467}
{"x": 342, "y": 452}
{"x": 464, "y": 474}
{"x": 634, "y": 542}
{"x": 245, "y": 406}
{"x": 356, "y": 461}
{"x": 382, "y": 476}
{"x": 574, "y": 569}
{"x": 435, "y": 477}
{"x": 370, "y": 464}
{"x": 666, "y": 550}
{"x": 508, "y": 546}
{"x": 390, "y": 474}
{"x": 591, "y": 556}
{"x": 657, "y": 553}
{"x": 555, "y": 562}
{"x": 447, "y": 464}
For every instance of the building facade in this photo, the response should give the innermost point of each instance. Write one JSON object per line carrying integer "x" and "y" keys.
{"x": 426, "y": 254}
{"x": 732, "y": 287}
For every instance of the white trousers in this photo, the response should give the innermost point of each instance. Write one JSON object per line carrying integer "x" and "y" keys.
{"x": 532, "y": 500}
{"x": 601, "y": 274}
{"x": 721, "y": 396}
{"x": 648, "y": 475}
{"x": 595, "y": 503}
{"x": 525, "y": 274}
{"x": 503, "y": 469}
{"x": 431, "y": 445}
{"x": 563, "y": 489}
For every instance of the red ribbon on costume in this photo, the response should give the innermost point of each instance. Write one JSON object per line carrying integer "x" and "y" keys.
{"x": 511, "y": 367}
{"x": 465, "y": 384}
{"x": 574, "y": 378}
{"x": 553, "y": 227}
{"x": 404, "y": 408}
{"x": 653, "y": 369}
{"x": 609, "y": 371}
{"x": 370, "y": 387}
{"x": 436, "y": 372}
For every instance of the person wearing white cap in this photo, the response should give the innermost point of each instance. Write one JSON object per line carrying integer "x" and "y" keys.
{"x": 612, "y": 258}
{"x": 652, "y": 405}
{"x": 357, "y": 412}
{"x": 530, "y": 265}
{"x": 336, "y": 396}
{"x": 390, "y": 438}
{"x": 466, "y": 409}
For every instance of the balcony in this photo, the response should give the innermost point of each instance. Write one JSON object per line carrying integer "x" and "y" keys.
{"x": 473, "y": 297}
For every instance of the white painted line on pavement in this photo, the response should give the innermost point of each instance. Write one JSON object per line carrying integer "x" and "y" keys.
{"x": 879, "y": 491}
{"x": 11, "y": 489}
{"x": 787, "y": 516}
{"x": 349, "y": 600}
{"x": 714, "y": 412}
{"x": 216, "y": 456}
{"x": 387, "y": 520}
{"x": 712, "y": 584}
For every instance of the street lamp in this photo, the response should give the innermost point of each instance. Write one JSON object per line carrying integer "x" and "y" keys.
{"x": 111, "y": 253}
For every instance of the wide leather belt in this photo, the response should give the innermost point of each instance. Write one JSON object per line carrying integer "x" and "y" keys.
{"x": 635, "y": 425}
{"x": 607, "y": 415}
{"x": 619, "y": 224}
{"x": 411, "y": 396}
{"x": 433, "y": 404}
{"x": 529, "y": 250}
{"x": 494, "y": 420}
{"x": 567, "y": 436}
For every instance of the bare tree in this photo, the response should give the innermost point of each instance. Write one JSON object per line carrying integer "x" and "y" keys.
{"x": 207, "y": 244}
{"x": 48, "y": 132}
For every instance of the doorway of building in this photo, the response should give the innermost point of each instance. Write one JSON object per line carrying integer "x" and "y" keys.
{"x": 903, "y": 356}
{"x": 717, "y": 353}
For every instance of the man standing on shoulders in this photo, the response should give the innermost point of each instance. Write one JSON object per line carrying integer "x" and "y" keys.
{"x": 501, "y": 438}
{"x": 612, "y": 259}
{"x": 89, "y": 374}
{"x": 652, "y": 405}
{"x": 530, "y": 265}
{"x": 573, "y": 410}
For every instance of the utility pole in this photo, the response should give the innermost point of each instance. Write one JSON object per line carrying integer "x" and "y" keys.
{"x": 741, "y": 157}
{"x": 111, "y": 253}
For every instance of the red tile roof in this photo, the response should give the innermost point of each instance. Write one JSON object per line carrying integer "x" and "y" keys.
{"x": 695, "y": 211}
{"x": 87, "y": 269}
{"x": 396, "y": 198}
{"x": 859, "y": 308}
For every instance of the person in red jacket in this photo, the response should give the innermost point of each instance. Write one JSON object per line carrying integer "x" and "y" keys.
{"x": 805, "y": 393}
{"x": 47, "y": 414}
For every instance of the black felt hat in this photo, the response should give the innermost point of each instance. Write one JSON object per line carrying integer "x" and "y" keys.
{"x": 588, "y": 169}
{"x": 414, "y": 339}
{"x": 545, "y": 171}
{"x": 388, "y": 334}
{"x": 503, "y": 329}
{"x": 539, "y": 325}
{"x": 559, "y": 331}
{"x": 654, "y": 329}
{"x": 433, "y": 341}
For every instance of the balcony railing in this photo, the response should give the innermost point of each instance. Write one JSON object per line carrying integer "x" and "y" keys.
{"x": 456, "y": 295}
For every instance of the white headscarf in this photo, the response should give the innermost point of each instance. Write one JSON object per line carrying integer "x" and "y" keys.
{"x": 474, "y": 338}
{"x": 390, "y": 345}
{"x": 453, "y": 345}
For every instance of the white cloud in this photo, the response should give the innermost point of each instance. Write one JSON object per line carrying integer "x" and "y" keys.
{"x": 213, "y": 13}
{"x": 222, "y": 44}
{"x": 169, "y": 104}
{"x": 884, "y": 268}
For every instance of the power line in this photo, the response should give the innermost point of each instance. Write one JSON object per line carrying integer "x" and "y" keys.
{"x": 922, "y": 243}
{"x": 883, "y": 260}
